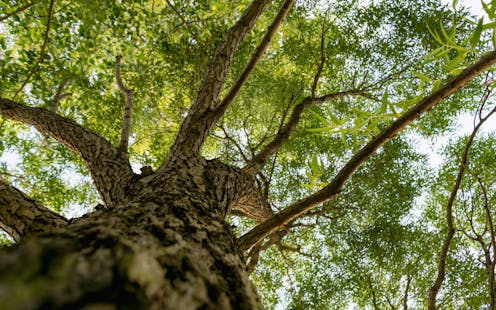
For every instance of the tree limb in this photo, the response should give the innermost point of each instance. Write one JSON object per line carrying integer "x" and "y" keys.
{"x": 257, "y": 162}
{"x": 335, "y": 186}
{"x": 441, "y": 269}
{"x": 42, "y": 51}
{"x": 204, "y": 111}
{"x": 257, "y": 55}
{"x": 128, "y": 110}
{"x": 17, "y": 11}
{"x": 60, "y": 95}
{"x": 109, "y": 167}
{"x": 21, "y": 216}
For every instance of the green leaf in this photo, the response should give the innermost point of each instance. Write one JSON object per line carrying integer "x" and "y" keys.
{"x": 474, "y": 38}
{"x": 314, "y": 165}
{"x": 488, "y": 9}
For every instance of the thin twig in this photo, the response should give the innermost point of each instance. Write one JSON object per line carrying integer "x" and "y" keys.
{"x": 17, "y": 11}
{"x": 322, "y": 62}
{"x": 42, "y": 51}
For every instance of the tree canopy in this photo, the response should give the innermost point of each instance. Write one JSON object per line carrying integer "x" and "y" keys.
{"x": 308, "y": 99}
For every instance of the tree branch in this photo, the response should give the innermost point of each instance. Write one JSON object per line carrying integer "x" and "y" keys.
{"x": 43, "y": 48}
{"x": 335, "y": 186}
{"x": 441, "y": 269}
{"x": 204, "y": 111}
{"x": 128, "y": 110}
{"x": 259, "y": 52}
{"x": 21, "y": 216}
{"x": 257, "y": 162}
{"x": 109, "y": 167}
{"x": 17, "y": 11}
{"x": 60, "y": 95}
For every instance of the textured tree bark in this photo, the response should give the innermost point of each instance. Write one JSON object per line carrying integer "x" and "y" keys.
{"x": 168, "y": 247}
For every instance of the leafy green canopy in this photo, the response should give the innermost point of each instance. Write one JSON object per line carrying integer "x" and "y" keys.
{"x": 371, "y": 247}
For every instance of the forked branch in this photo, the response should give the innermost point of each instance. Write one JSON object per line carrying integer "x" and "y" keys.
{"x": 335, "y": 186}
{"x": 128, "y": 109}
{"x": 109, "y": 167}
{"x": 204, "y": 112}
{"x": 441, "y": 269}
{"x": 257, "y": 162}
{"x": 60, "y": 95}
{"x": 21, "y": 216}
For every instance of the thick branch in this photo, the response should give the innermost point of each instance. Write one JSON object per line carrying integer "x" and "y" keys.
{"x": 21, "y": 216}
{"x": 17, "y": 11}
{"x": 204, "y": 111}
{"x": 441, "y": 269}
{"x": 282, "y": 136}
{"x": 43, "y": 48}
{"x": 109, "y": 167}
{"x": 336, "y": 185}
{"x": 128, "y": 110}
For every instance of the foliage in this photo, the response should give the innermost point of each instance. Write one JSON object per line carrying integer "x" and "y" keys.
{"x": 374, "y": 245}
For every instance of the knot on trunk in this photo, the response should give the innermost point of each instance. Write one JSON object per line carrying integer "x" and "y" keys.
{"x": 237, "y": 190}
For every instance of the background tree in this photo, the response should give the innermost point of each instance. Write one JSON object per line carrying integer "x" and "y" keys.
{"x": 252, "y": 125}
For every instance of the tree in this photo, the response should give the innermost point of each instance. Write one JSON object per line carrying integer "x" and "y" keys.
{"x": 222, "y": 102}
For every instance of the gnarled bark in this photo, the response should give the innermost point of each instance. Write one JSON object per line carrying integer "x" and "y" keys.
{"x": 109, "y": 167}
{"x": 21, "y": 216}
{"x": 204, "y": 110}
{"x": 168, "y": 247}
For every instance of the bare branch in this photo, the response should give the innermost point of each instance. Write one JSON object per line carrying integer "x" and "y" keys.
{"x": 17, "y": 11}
{"x": 205, "y": 112}
{"x": 128, "y": 110}
{"x": 21, "y": 216}
{"x": 282, "y": 136}
{"x": 109, "y": 167}
{"x": 42, "y": 51}
{"x": 335, "y": 186}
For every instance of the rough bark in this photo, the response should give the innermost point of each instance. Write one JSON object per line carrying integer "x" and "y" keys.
{"x": 204, "y": 111}
{"x": 109, "y": 167}
{"x": 168, "y": 247}
{"x": 21, "y": 216}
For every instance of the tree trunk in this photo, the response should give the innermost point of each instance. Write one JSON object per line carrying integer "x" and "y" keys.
{"x": 166, "y": 247}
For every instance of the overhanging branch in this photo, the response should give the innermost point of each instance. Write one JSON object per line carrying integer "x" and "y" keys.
{"x": 335, "y": 186}
{"x": 257, "y": 162}
{"x": 21, "y": 216}
{"x": 109, "y": 167}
